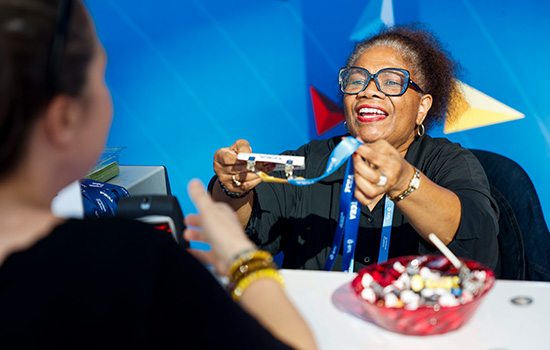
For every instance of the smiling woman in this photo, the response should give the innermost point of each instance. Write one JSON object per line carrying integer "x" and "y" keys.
{"x": 374, "y": 114}
{"x": 395, "y": 86}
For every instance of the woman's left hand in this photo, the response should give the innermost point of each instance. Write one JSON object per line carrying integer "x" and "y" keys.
{"x": 217, "y": 225}
{"x": 375, "y": 161}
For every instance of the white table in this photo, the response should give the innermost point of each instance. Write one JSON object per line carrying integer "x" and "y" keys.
{"x": 327, "y": 302}
{"x": 142, "y": 179}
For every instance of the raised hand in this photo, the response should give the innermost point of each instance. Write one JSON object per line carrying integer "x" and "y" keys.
{"x": 217, "y": 225}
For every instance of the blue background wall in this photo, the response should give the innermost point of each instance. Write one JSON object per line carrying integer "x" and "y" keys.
{"x": 189, "y": 77}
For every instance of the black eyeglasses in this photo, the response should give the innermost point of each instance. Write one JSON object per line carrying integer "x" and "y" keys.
{"x": 389, "y": 81}
{"x": 58, "y": 44}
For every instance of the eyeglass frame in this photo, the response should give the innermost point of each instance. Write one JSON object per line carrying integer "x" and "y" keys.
{"x": 408, "y": 80}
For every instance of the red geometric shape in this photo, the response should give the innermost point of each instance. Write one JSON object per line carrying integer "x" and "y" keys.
{"x": 327, "y": 113}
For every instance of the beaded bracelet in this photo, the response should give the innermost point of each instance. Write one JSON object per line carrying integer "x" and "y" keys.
{"x": 246, "y": 257}
{"x": 246, "y": 281}
{"x": 242, "y": 253}
{"x": 233, "y": 194}
{"x": 249, "y": 267}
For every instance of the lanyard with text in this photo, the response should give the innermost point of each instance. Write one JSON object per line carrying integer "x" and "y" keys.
{"x": 348, "y": 226}
{"x": 386, "y": 230}
{"x": 348, "y": 223}
{"x": 350, "y": 208}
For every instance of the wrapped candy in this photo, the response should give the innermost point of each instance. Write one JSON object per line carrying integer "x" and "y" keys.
{"x": 431, "y": 286}
{"x": 422, "y": 295}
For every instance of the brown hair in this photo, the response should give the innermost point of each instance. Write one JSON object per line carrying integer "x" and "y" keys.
{"x": 27, "y": 29}
{"x": 433, "y": 64}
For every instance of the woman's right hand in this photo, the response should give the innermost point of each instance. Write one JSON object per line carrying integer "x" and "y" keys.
{"x": 233, "y": 172}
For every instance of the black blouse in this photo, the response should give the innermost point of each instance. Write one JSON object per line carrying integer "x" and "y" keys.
{"x": 301, "y": 221}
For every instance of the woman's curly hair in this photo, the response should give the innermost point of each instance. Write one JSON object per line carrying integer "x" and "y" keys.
{"x": 432, "y": 63}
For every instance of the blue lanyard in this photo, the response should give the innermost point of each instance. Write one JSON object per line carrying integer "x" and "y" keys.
{"x": 337, "y": 158}
{"x": 386, "y": 230}
{"x": 348, "y": 226}
{"x": 350, "y": 208}
{"x": 348, "y": 223}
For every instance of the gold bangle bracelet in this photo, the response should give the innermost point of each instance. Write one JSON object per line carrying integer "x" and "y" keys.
{"x": 413, "y": 185}
{"x": 246, "y": 281}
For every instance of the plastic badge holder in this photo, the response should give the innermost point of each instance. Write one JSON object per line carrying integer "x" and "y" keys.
{"x": 109, "y": 154}
{"x": 425, "y": 320}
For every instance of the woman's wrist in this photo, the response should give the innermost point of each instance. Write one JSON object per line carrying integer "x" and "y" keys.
{"x": 246, "y": 281}
{"x": 248, "y": 267}
{"x": 231, "y": 194}
{"x": 413, "y": 184}
{"x": 232, "y": 254}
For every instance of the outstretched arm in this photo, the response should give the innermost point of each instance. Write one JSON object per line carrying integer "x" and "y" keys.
{"x": 264, "y": 298}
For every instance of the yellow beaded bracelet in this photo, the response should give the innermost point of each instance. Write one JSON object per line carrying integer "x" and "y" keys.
{"x": 246, "y": 257}
{"x": 249, "y": 267}
{"x": 246, "y": 281}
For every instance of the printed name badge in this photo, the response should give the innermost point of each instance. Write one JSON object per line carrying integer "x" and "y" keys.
{"x": 278, "y": 160}
{"x": 350, "y": 208}
{"x": 339, "y": 156}
{"x": 298, "y": 162}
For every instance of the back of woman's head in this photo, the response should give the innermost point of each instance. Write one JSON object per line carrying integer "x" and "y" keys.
{"x": 45, "y": 49}
{"x": 436, "y": 69}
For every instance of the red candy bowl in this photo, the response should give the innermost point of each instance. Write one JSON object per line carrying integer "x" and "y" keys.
{"x": 422, "y": 295}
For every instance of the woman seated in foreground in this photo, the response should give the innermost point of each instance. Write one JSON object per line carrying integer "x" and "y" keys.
{"x": 395, "y": 86}
{"x": 106, "y": 283}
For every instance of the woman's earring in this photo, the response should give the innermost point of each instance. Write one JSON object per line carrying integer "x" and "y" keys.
{"x": 346, "y": 127}
{"x": 420, "y": 131}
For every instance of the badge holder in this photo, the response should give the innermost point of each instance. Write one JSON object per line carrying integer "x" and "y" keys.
{"x": 288, "y": 169}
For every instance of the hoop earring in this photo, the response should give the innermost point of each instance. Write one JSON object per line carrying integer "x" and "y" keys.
{"x": 346, "y": 127}
{"x": 420, "y": 133}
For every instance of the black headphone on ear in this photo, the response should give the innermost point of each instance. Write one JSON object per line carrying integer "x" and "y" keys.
{"x": 57, "y": 45}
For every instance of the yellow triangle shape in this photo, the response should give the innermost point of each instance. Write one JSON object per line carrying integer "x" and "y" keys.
{"x": 476, "y": 118}
{"x": 473, "y": 109}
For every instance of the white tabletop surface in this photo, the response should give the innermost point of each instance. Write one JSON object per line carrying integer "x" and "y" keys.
{"x": 142, "y": 179}
{"x": 328, "y": 304}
